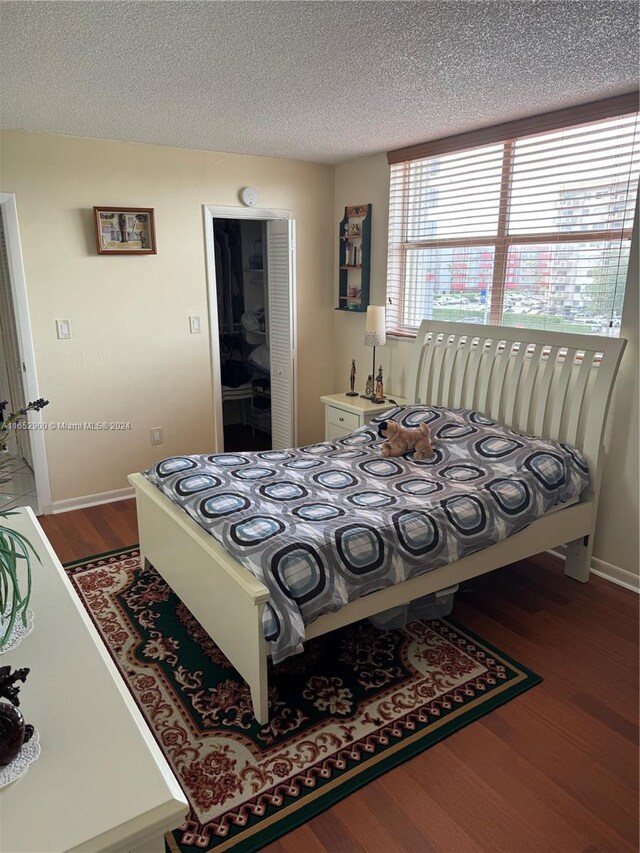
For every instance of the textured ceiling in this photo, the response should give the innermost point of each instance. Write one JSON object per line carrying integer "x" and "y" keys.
{"x": 323, "y": 81}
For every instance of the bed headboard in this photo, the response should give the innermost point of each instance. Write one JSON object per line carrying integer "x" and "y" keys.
{"x": 549, "y": 384}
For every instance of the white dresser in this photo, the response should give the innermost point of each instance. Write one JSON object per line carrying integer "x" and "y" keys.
{"x": 344, "y": 414}
{"x": 101, "y": 782}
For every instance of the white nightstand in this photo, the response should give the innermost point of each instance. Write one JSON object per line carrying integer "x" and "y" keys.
{"x": 344, "y": 414}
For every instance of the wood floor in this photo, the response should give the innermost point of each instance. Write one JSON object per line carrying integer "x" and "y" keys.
{"x": 556, "y": 769}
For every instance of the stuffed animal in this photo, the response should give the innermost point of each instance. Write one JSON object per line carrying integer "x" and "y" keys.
{"x": 400, "y": 440}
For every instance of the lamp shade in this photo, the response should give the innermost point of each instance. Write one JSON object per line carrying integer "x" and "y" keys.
{"x": 375, "y": 334}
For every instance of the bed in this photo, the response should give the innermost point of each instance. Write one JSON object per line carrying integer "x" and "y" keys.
{"x": 556, "y": 386}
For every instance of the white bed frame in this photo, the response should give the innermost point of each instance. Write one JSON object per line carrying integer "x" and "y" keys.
{"x": 548, "y": 384}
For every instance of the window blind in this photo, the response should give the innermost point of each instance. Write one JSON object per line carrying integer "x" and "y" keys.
{"x": 532, "y": 230}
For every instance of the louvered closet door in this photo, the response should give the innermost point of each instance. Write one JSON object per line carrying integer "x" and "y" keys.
{"x": 280, "y": 272}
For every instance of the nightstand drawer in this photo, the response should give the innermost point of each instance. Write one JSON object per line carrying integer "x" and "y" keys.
{"x": 333, "y": 432}
{"x": 345, "y": 420}
{"x": 345, "y": 414}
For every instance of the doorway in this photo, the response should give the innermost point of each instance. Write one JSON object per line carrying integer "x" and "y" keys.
{"x": 243, "y": 332}
{"x": 250, "y": 266}
{"x": 25, "y": 480}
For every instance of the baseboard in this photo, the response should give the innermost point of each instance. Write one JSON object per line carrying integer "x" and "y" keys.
{"x": 91, "y": 500}
{"x": 615, "y": 574}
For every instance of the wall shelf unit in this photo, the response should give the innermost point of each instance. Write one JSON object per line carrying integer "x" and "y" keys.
{"x": 355, "y": 259}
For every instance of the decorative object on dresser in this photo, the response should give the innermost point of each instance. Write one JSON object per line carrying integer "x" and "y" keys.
{"x": 19, "y": 741}
{"x": 355, "y": 258}
{"x": 13, "y": 730}
{"x": 352, "y": 380}
{"x": 15, "y": 582}
{"x": 375, "y": 335}
{"x": 15, "y": 551}
{"x": 125, "y": 230}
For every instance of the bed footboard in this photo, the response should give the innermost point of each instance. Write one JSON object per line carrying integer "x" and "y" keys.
{"x": 225, "y": 598}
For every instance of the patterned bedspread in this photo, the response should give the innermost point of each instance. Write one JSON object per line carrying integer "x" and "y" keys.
{"x": 325, "y": 524}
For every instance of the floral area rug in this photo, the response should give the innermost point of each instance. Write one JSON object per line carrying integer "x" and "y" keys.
{"x": 357, "y": 703}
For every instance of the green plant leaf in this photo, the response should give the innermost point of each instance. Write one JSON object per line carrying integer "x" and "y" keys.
{"x": 15, "y": 556}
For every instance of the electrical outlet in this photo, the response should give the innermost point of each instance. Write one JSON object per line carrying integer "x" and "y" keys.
{"x": 155, "y": 434}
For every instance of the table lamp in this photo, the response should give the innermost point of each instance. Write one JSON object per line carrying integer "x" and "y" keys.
{"x": 375, "y": 334}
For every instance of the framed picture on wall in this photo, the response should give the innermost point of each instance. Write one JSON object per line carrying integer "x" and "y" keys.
{"x": 125, "y": 230}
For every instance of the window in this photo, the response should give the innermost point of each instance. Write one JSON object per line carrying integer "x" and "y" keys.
{"x": 530, "y": 229}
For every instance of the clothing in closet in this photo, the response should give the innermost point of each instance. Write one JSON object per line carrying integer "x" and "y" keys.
{"x": 228, "y": 254}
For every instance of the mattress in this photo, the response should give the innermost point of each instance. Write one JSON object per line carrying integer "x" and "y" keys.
{"x": 325, "y": 524}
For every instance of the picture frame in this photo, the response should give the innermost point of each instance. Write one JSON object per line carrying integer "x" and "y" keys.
{"x": 136, "y": 224}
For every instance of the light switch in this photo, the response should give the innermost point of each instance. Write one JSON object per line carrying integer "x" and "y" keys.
{"x": 63, "y": 327}
{"x": 194, "y": 324}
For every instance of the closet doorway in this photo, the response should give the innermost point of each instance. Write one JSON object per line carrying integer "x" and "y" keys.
{"x": 250, "y": 265}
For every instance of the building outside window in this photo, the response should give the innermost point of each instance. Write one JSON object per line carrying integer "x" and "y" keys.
{"x": 533, "y": 230}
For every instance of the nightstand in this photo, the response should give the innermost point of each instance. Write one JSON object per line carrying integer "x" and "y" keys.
{"x": 344, "y": 414}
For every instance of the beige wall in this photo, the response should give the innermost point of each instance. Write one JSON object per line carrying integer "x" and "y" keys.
{"x": 616, "y": 541}
{"x": 617, "y": 532}
{"x": 366, "y": 181}
{"x": 131, "y": 357}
